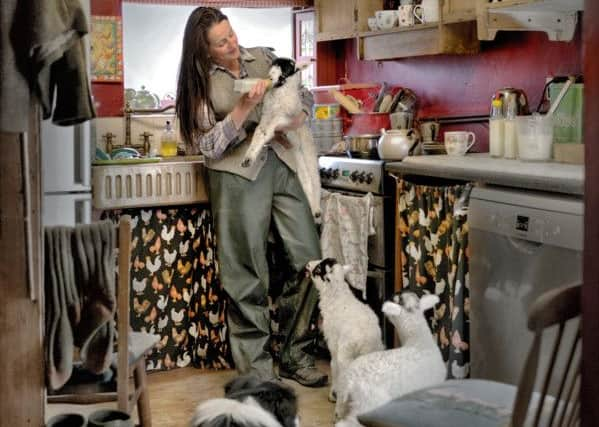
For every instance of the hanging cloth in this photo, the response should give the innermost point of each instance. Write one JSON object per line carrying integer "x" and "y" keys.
{"x": 347, "y": 221}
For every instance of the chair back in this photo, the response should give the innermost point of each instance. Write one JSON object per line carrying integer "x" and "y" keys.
{"x": 554, "y": 316}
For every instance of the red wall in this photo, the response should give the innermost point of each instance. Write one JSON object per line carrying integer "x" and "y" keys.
{"x": 463, "y": 85}
{"x": 108, "y": 97}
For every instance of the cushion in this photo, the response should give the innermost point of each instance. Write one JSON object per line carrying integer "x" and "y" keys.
{"x": 472, "y": 403}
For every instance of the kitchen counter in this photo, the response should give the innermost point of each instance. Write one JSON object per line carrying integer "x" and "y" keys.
{"x": 480, "y": 167}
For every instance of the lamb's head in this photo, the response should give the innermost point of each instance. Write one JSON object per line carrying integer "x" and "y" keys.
{"x": 406, "y": 313}
{"x": 281, "y": 69}
{"x": 327, "y": 274}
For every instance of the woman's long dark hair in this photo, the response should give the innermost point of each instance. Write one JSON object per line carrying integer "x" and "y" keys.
{"x": 193, "y": 86}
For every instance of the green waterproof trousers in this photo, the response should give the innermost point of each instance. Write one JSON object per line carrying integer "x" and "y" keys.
{"x": 243, "y": 211}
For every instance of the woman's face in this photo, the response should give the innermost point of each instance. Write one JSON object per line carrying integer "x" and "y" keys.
{"x": 222, "y": 43}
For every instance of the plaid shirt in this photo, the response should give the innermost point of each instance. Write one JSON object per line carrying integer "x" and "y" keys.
{"x": 215, "y": 142}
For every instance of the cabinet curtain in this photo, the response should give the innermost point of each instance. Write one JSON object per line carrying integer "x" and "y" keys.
{"x": 433, "y": 229}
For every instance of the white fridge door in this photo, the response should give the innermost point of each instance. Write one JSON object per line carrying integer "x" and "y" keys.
{"x": 66, "y": 157}
{"x": 66, "y": 209}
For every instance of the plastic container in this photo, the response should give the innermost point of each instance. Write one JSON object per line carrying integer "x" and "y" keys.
{"x": 496, "y": 129}
{"x": 168, "y": 141}
{"x": 535, "y": 137}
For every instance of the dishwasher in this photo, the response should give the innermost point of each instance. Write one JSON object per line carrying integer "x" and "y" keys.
{"x": 522, "y": 243}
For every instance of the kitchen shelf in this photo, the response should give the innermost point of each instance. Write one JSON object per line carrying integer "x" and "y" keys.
{"x": 557, "y": 18}
{"x": 455, "y": 37}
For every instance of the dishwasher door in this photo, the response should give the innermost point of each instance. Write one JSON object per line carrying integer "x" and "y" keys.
{"x": 521, "y": 244}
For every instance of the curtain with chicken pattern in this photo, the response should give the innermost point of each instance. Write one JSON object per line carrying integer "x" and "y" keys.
{"x": 434, "y": 259}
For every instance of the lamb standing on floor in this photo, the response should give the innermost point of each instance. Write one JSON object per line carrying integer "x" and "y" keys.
{"x": 350, "y": 327}
{"x": 377, "y": 378}
{"x": 280, "y": 105}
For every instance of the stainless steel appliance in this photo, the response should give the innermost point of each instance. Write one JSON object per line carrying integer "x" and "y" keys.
{"x": 357, "y": 177}
{"x": 521, "y": 244}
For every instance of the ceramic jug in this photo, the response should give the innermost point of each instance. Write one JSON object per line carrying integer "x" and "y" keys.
{"x": 396, "y": 144}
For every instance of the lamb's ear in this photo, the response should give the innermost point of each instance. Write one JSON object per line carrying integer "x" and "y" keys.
{"x": 391, "y": 309}
{"x": 301, "y": 66}
{"x": 346, "y": 269}
{"x": 428, "y": 301}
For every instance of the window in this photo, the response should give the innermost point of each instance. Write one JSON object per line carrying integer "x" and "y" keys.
{"x": 153, "y": 34}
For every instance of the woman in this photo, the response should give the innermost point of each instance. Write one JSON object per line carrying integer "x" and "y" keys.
{"x": 219, "y": 122}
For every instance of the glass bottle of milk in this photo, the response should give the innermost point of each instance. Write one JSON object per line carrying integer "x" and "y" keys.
{"x": 496, "y": 129}
{"x": 510, "y": 137}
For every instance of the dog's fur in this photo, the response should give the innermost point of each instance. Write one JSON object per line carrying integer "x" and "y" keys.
{"x": 280, "y": 105}
{"x": 249, "y": 402}
{"x": 350, "y": 327}
{"x": 379, "y": 377}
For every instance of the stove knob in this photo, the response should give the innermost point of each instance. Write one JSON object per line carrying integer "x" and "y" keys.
{"x": 321, "y": 172}
{"x": 330, "y": 173}
{"x": 369, "y": 177}
{"x": 335, "y": 173}
{"x": 354, "y": 176}
{"x": 362, "y": 177}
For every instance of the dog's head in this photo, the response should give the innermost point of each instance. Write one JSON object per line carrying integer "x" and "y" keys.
{"x": 281, "y": 69}
{"x": 273, "y": 396}
{"x": 327, "y": 273}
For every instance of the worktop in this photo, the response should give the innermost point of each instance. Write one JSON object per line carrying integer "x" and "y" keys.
{"x": 482, "y": 168}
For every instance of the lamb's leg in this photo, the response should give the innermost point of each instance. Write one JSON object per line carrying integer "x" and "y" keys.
{"x": 307, "y": 167}
{"x": 334, "y": 378}
{"x": 264, "y": 132}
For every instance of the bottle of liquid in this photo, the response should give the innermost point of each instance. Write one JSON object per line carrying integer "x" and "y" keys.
{"x": 496, "y": 129}
{"x": 168, "y": 141}
{"x": 510, "y": 137}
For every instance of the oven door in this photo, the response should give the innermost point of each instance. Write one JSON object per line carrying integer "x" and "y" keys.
{"x": 379, "y": 288}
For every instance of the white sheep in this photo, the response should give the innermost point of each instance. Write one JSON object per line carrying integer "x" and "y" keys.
{"x": 350, "y": 327}
{"x": 376, "y": 378}
{"x": 280, "y": 105}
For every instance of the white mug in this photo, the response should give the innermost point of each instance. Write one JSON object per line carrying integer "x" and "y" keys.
{"x": 372, "y": 23}
{"x": 386, "y": 19}
{"x": 458, "y": 143}
{"x": 429, "y": 11}
{"x": 407, "y": 15}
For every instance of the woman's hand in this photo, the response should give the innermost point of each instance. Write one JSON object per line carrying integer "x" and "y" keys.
{"x": 295, "y": 122}
{"x": 248, "y": 102}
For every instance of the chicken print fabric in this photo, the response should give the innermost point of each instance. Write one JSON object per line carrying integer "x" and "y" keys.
{"x": 175, "y": 287}
{"x": 434, "y": 259}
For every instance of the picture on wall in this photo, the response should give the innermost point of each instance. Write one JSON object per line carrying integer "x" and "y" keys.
{"x": 106, "y": 49}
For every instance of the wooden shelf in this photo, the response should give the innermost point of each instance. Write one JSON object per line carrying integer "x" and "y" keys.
{"x": 557, "y": 18}
{"x": 456, "y": 38}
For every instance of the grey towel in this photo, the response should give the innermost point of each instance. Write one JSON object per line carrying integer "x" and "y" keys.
{"x": 93, "y": 254}
{"x": 80, "y": 298}
{"x": 62, "y": 305}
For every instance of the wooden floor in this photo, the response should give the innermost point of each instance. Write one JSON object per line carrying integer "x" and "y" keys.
{"x": 175, "y": 394}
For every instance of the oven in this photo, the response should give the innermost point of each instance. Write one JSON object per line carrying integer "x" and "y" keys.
{"x": 357, "y": 177}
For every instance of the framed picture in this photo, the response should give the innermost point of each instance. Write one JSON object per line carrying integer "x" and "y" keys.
{"x": 106, "y": 49}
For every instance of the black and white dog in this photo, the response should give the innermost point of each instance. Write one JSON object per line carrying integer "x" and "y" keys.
{"x": 249, "y": 402}
{"x": 280, "y": 105}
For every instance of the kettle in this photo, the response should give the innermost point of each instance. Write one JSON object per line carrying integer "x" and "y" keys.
{"x": 514, "y": 100}
{"x": 396, "y": 144}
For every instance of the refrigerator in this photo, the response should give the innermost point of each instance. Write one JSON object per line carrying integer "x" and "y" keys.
{"x": 66, "y": 174}
{"x": 66, "y": 153}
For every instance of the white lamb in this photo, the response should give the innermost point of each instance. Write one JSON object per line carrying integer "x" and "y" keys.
{"x": 280, "y": 105}
{"x": 377, "y": 378}
{"x": 350, "y": 327}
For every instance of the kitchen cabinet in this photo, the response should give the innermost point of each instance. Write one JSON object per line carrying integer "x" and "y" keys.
{"x": 557, "y": 18}
{"x": 454, "y": 33}
{"x": 343, "y": 19}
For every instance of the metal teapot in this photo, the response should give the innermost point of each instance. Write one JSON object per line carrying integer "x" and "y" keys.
{"x": 397, "y": 144}
{"x": 513, "y": 100}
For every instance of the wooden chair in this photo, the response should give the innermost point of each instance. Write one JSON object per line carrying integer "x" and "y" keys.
{"x": 131, "y": 363}
{"x": 473, "y": 402}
